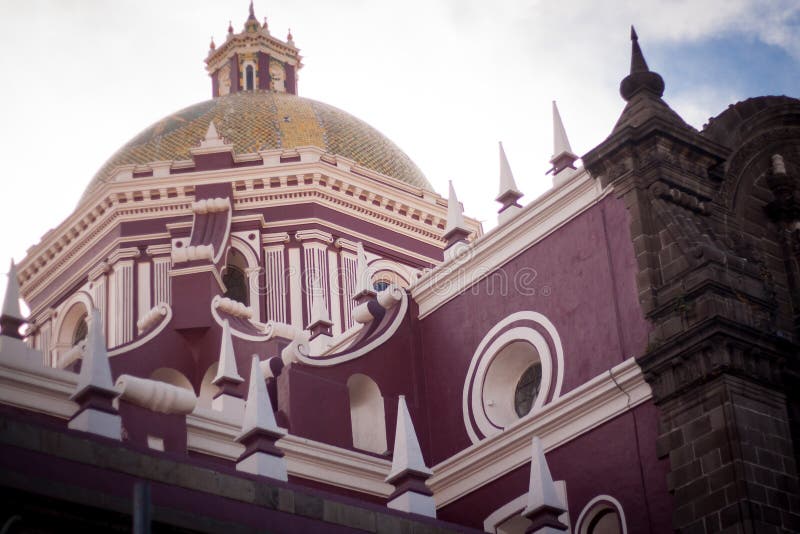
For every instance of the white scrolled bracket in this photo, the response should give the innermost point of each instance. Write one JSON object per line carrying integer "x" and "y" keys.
{"x": 155, "y": 395}
{"x": 210, "y": 205}
{"x": 233, "y": 307}
{"x": 151, "y": 318}
{"x": 295, "y": 351}
{"x": 271, "y": 367}
{"x": 275, "y": 329}
{"x": 389, "y": 297}
{"x": 191, "y": 253}
{"x": 75, "y": 353}
{"x": 362, "y": 314}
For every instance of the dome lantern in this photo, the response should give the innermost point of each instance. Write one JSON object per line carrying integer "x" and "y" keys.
{"x": 253, "y": 60}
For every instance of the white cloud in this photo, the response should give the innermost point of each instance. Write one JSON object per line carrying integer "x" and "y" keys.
{"x": 445, "y": 80}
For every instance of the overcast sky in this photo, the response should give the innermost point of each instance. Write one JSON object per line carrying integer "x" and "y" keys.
{"x": 444, "y": 79}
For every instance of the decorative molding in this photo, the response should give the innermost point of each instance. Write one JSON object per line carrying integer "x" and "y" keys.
{"x": 161, "y": 249}
{"x": 489, "y": 252}
{"x": 123, "y": 253}
{"x": 346, "y": 244}
{"x": 279, "y": 237}
{"x": 313, "y": 235}
{"x": 579, "y": 411}
{"x": 211, "y": 433}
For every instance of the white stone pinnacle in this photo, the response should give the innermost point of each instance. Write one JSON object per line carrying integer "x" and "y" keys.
{"x": 541, "y": 488}
{"x": 226, "y": 368}
{"x": 211, "y": 133}
{"x": 258, "y": 414}
{"x": 560, "y": 140}
{"x": 95, "y": 369}
{"x": 11, "y": 300}
{"x": 363, "y": 274}
{"x": 212, "y": 138}
{"x": 455, "y": 215}
{"x": 407, "y": 455}
{"x": 507, "y": 182}
{"x": 319, "y": 310}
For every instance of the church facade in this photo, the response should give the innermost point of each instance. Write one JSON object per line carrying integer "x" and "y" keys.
{"x": 261, "y": 317}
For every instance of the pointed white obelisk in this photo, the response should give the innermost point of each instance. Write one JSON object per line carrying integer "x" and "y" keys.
{"x": 509, "y": 193}
{"x": 95, "y": 391}
{"x": 544, "y": 505}
{"x": 563, "y": 157}
{"x": 364, "y": 289}
{"x": 320, "y": 323}
{"x": 409, "y": 472}
{"x": 11, "y": 318}
{"x": 260, "y": 431}
{"x": 228, "y": 399}
{"x": 456, "y": 231}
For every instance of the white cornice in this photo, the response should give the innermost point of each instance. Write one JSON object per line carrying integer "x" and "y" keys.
{"x": 489, "y": 252}
{"x": 586, "y": 407}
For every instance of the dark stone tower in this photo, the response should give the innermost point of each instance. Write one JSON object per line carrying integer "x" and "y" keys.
{"x": 714, "y": 222}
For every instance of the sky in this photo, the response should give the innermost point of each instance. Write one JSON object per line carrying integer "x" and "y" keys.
{"x": 444, "y": 79}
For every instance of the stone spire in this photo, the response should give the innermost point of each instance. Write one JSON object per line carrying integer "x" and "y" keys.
{"x": 640, "y": 78}
{"x": 364, "y": 290}
{"x": 228, "y": 399}
{"x": 642, "y": 89}
{"x": 260, "y": 431}
{"x": 456, "y": 231}
{"x": 11, "y": 318}
{"x": 563, "y": 156}
{"x": 409, "y": 472}
{"x": 95, "y": 390}
{"x": 509, "y": 194}
{"x": 544, "y": 505}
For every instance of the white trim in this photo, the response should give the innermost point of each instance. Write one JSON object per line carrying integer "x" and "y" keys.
{"x": 478, "y": 380}
{"x": 582, "y": 409}
{"x": 372, "y": 345}
{"x": 473, "y": 373}
{"x": 516, "y": 506}
{"x": 211, "y": 433}
{"x": 167, "y": 316}
{"x": 586, "y": 509}
{"x": 489, "y": 252}
{"x": 295, "y": 289}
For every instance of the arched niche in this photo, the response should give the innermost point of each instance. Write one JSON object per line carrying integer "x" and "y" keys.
{"x": 241, "y": 275}
{"x": 602, "y": 515}
{"x": 367, "y": 416}
{"x": 71, "y": 326}
{"x": 207, "y": 389}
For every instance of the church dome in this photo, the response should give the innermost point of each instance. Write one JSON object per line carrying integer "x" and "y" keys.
{"x": 263, "y": 120}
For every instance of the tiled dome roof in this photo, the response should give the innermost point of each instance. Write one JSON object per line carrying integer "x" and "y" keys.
{"x": 262, "y": 120}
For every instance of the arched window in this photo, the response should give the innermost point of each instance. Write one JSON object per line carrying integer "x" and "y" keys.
{"x": 81, "y": 331}
{"x": 249, "y": 78}
{"x": 602, "y": 515}
{"x": 235, "y": 279}
{"x": 367, "y": 417}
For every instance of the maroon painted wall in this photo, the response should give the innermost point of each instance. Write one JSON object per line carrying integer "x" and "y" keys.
{"x": 583, "y": 281}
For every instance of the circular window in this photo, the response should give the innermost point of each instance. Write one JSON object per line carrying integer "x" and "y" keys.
{"x": 528, "y": 389}
{"x": 512, "y": 384}
{"x": 80, "y": 332}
